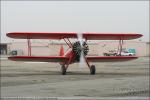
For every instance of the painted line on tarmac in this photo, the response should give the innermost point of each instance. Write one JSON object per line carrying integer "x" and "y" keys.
{"x": 3, "y": 58}
{"x": 75, "y": 98}
{"x": 103, "y": 98}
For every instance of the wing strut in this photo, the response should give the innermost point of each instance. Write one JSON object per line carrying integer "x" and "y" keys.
{"x": 68, "y": 43}
{"x": 120, "y": 46}
{"x": 29, "y": 47}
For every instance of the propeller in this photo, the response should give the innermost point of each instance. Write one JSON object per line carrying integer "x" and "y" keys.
{"x": 82, "y": 50}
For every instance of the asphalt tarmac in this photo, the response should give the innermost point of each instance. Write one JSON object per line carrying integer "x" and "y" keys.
{"x": 44, "y": 80}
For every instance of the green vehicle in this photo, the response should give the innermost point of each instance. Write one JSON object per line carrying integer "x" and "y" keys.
{"x": 132, "y": 51}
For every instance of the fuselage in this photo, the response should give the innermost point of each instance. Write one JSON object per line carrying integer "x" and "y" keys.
{"x": 77, "y": 50}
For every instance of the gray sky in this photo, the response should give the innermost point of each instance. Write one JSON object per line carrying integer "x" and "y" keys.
{"x": 75, "y": 16}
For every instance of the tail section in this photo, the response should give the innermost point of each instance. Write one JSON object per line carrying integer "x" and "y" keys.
{"x": 61, "y": 53}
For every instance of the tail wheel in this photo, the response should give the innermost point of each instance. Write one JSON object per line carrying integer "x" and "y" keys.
{"x": 92, "y": 70}
{"x": 63, "y": 70}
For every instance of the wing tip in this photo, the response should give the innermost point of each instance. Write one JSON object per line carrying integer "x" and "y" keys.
{"x": 10, "y": 34}
{"x": 140, "y": 35}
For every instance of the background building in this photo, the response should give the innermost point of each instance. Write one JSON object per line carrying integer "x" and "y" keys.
{"x": 3, "y": 50}
{"x": 97, "y": 48}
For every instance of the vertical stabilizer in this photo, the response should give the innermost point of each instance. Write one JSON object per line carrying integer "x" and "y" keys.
{"x": 61, "y": 53}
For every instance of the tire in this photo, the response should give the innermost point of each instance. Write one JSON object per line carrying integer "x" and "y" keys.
{"x": 115, "y": 54}
{"x": 104, "y": 54}
{"x": 63, "y": 70}
{"x": 130, "y": 55}
{"x": 119, "y": 55}
{"x": 92, "y": 70}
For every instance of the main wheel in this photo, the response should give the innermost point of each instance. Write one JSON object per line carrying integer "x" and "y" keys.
{"x": 63, "y": 70}
{"x": 92, "y": 70}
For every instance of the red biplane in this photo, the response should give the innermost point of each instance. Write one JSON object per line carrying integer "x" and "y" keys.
{"x": 75, "y": 49}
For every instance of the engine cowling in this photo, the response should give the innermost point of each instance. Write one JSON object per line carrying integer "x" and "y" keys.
{"x": 80, "y": 48}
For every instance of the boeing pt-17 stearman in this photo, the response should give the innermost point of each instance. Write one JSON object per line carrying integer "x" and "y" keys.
{"x": 76, "y": 50}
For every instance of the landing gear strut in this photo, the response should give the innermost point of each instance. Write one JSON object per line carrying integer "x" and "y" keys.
{"x": 63, "y": 70}
{"x": 92, "y": 70}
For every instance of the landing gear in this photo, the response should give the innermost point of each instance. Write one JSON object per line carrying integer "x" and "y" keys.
{"x": 92, "y": 70}
{"x": 63, "y": 70}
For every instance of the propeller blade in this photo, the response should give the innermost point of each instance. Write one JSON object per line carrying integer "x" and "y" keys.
{"x": 82, "y": 59}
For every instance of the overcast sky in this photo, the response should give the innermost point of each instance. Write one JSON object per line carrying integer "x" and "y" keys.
{"x": 75, "y": 16}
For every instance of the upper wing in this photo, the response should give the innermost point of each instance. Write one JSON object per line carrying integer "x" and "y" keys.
{"x": 109, "y": 58}
{"x": 87, "y": 36}
{"x": 111, "y": 36}
{"x": 39, "y": 58}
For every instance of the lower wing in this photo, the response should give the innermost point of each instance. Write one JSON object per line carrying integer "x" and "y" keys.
{"x": 60, "y": 59}
{"x": 110, "y": 58}
{"x": 39, "y": 58}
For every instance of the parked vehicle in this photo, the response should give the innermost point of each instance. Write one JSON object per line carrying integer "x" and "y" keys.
{"x": 129, "y": 52}
{"x": 110, "y": 53}
{"x": 16, "y": 52}
{"x": 126, "y": 53}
